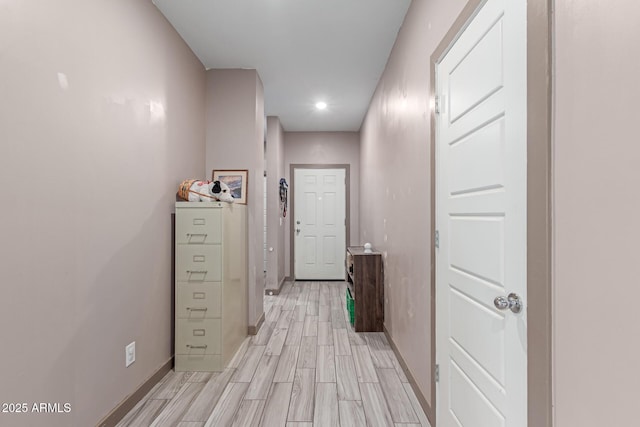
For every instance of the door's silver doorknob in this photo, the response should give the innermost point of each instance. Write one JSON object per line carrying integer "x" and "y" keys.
{"x": 511, "y": 302}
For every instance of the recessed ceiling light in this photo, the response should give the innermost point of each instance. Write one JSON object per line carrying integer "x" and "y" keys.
{"x": 321, "y": 105}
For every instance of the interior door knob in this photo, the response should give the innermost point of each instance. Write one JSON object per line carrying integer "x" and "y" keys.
{"x": 511, "y": 302}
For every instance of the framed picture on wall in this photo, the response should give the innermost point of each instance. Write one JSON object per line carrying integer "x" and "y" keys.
{"x": 237, "y": 182}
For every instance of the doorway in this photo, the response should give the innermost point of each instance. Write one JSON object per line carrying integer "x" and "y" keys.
{"x": 481, "y": 220}
{"x": 319, "y": 224}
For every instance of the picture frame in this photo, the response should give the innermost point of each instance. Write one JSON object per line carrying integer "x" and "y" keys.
{"x": 237, "y": 180}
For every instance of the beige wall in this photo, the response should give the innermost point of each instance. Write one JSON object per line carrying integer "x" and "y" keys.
{"x": 275, "y": 221}
{"x": 235, "y": 140}
{"x": 101, "y": 116}
{"x": 596, "y": 204}
{"x": 324, "y": 148}
{"x": 395, "y": 196}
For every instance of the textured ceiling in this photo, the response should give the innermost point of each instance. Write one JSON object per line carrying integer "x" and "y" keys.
{"x": 304, "y": 50}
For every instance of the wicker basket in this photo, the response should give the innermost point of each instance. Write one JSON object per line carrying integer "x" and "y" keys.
{"x": 183, "y": 189}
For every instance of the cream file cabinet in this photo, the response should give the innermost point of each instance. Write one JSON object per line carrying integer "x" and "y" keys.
{"x": 211, "y": 284}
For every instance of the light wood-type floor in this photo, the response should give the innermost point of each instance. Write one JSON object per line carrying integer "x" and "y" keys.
{"x": 305, "y": 367}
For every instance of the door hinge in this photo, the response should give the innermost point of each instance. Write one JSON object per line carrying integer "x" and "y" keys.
{"x": 437, "y": 239}
{"x": 437, "y": 105}
{"x": 437, "y": 373}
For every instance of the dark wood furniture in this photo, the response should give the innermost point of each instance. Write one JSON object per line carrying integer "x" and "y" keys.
{"x": 366, "y": 282}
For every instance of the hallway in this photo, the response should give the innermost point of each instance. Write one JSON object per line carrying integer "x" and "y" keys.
{"x": 306, "y": 367}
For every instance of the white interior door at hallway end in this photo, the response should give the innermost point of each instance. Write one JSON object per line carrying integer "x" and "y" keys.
{"x": 319, "y": 224}
{"x": 481, "y": 199}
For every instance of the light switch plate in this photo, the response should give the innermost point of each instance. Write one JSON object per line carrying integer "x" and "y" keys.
{"x": 130, "y": 354}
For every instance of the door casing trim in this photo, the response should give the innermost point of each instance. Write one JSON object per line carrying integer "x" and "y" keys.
{"x": 539, "y": 190}
{"x": 347, "y": 206}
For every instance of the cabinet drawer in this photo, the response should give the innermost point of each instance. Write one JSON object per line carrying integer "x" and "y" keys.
{"x": 198, "y": 225}
{"x": 198, "y": 336}
{"x": 198, "y": 263}
{"x": 192, "y": 362}
{"x": 198, "y": 300}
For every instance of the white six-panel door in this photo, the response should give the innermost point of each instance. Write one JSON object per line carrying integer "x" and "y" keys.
{"x": 320, "y": 227}
{"x": 481, "y": 220}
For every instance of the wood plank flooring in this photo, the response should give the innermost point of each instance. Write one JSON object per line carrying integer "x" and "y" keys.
{"x": 305, "y": 368}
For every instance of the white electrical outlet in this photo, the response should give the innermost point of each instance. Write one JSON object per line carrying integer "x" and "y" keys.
{"x": 130, "y": 354}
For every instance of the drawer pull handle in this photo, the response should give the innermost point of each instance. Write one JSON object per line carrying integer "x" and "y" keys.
{"x": 197, "y": 308}
{"x": 204, "y": 346}
{"x": 196, "y": 234}
{"x": 197, "y": 271}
